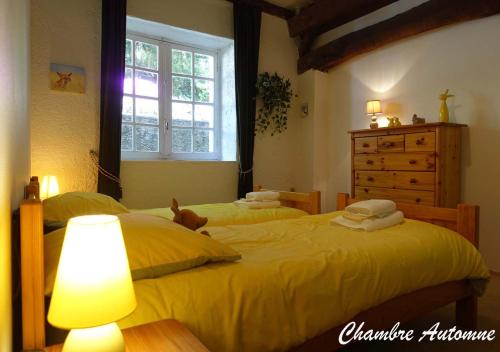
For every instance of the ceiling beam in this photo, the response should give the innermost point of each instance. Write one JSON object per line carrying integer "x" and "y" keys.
{"x": 324, "y": 15}
{"x": 427, "y": 16}
{"x": 269, "y": 8}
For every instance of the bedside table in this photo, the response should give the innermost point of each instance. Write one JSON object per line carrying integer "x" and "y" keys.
{"x": 160, "y": 336}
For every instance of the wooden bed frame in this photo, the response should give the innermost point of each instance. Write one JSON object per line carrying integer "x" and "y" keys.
{"x": 464, "y": 220}
{"x": 308, "y": 201}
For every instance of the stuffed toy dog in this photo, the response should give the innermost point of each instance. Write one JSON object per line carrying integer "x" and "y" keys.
{"x": 188, "y": 218}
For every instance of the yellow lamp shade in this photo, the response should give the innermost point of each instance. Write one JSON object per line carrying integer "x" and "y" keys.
{"x": 93, "y": 283}
{"x": 373, "y": 107}
{"x": 49, "y": 187}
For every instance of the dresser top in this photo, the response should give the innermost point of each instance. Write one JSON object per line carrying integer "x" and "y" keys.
{"x": 420, "y": 125}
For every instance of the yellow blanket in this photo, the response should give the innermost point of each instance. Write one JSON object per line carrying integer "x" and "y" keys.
{"x": 221, "y": 214}
{"x": 298, "y": 278}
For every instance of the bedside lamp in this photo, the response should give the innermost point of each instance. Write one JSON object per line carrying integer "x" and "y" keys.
{"x": 93, "y": 287}
{"x": 373, "y": 108}
{"x": 49, "y": 188}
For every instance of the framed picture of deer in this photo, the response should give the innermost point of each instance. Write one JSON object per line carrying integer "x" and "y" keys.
{"x": 66, "y": 78}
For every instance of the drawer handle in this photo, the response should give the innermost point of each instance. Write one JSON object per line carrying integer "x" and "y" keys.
{"x": 369, "y": 162}
{"x": 418, "y": 200}
{"x": 366, "y": 190}
{"x": 412, "y": 162}
{"x": 388, "y": 144}
{"x": 413, "y": 180}
{"x": 420, "y": 141}
{"x": 366, "y": 145}
{"x": 371, "y": 179}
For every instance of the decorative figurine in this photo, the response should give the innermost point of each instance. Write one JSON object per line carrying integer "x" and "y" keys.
{"x": 417, "y": 120}
{"x": 392, "y": 122}
{"x": 397, "y": 123}
{"x": 444, "y": 115}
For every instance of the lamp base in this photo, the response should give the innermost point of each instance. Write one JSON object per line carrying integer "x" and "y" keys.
{"x": 104, "y": 338}
{"x": 374, "y": 124}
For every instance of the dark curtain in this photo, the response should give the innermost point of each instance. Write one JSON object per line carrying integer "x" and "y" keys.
{"x": 114, "y": 21}
{"x": 247, "y": 19}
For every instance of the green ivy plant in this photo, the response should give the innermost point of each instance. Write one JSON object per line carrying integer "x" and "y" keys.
{"x": 275, "y": 93}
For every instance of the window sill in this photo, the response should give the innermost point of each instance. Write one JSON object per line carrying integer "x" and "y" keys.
{"x": 177, "y": 161}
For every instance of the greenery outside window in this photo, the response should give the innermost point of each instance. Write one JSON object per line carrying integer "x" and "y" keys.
{"x": 171, "y": 101}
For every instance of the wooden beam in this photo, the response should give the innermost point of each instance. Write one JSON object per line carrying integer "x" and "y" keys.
{"x": 327, "y": 14}
{"x": 269, "y": 8}
{"x": 430, "y": 15}
{"x": 306, "y": 42}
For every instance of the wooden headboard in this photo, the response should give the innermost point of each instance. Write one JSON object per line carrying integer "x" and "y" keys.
{"x": 308, "y": 201}
{"x": 32, "y": 270}
{"x": 464, "y": 219}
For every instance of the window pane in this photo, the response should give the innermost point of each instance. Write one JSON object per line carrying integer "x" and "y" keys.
{"x": 182, "y": 62}
{"x": 181, "y": 140}
{"x": 146, "y": 55}
{"x": 182, "y": 114}
{"x": 127, "y": 84}
{"x": 203, "y": 141}
{"x": 182, "y": 88}
{"x": 127, "y": 109}
{"x": 203, "y": 91}
{"x": 146, "y": 111}
{"x": 147, "y": 139}
{"x": 128, "y": 52}
{"x": 127, "y": 137}
{"x": 204, "y": 116}
{"x": 146, "y": 83}
{"x": 204, "y": 65}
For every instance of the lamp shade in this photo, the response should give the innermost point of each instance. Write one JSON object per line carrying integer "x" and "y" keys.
{"x": 49, "y": 187}
{"x": 93, "y": 283}
{"x": 373, "y": 107}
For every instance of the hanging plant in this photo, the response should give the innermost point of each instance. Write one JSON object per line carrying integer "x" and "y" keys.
{"x": 276, "y": 95}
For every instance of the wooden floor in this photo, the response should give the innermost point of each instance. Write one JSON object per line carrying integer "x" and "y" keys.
{"x": 489, "y": 318}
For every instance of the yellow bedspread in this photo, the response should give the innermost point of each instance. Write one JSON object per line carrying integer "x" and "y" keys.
{"x": 298, "y": 278}
{"x": 221, "y": 214}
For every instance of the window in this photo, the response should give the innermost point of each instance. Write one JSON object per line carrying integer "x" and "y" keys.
{"x": 170, "y": 103}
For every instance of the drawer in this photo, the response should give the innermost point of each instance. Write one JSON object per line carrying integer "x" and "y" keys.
{"x": 396, "y": 161}
{"x": 396, "y": 179}
{"x": 397, "y": 195}
{"x": 420, "y": 142}
{"x": 391, "y": 143}
{"x": 365, "y": 145}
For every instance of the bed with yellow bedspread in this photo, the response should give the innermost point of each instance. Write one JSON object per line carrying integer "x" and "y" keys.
{"x": 298, "y": 278}
{"x": 220, "y": 214}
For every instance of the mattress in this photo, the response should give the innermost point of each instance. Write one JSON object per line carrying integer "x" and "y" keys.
{"x": 220, "y": 214}
{"x": 298, "y": 278}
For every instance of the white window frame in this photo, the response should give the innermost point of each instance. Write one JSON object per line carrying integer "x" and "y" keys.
{"x": 165, "y": 101}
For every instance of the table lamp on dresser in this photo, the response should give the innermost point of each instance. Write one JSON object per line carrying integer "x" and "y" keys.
{"x": 93, "y": 287}
{"x": 373, "y": 108}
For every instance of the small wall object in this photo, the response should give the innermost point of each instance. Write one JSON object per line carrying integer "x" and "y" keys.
{"x": 417, "y": 120}
{"x": 65, "y": 78}
{"x": 444, "y": 115}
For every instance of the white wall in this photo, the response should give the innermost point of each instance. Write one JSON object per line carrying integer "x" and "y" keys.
{"x": 65, "y": 126}
{"x": 274, "y": 156}
{"x": 151, "y": 184}
{"x": 14, "y": 140}
{"x": 408, "y": 77}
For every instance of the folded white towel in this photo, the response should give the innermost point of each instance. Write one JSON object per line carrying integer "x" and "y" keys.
{"x": 372, "y": 207}
{"x": 263, "y": 195}
{"x": 260, "y": 204}
{"x": 371, "y": 224}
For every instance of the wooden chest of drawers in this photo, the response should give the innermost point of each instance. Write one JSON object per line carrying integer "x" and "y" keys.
{"x": 417, "y": 164}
